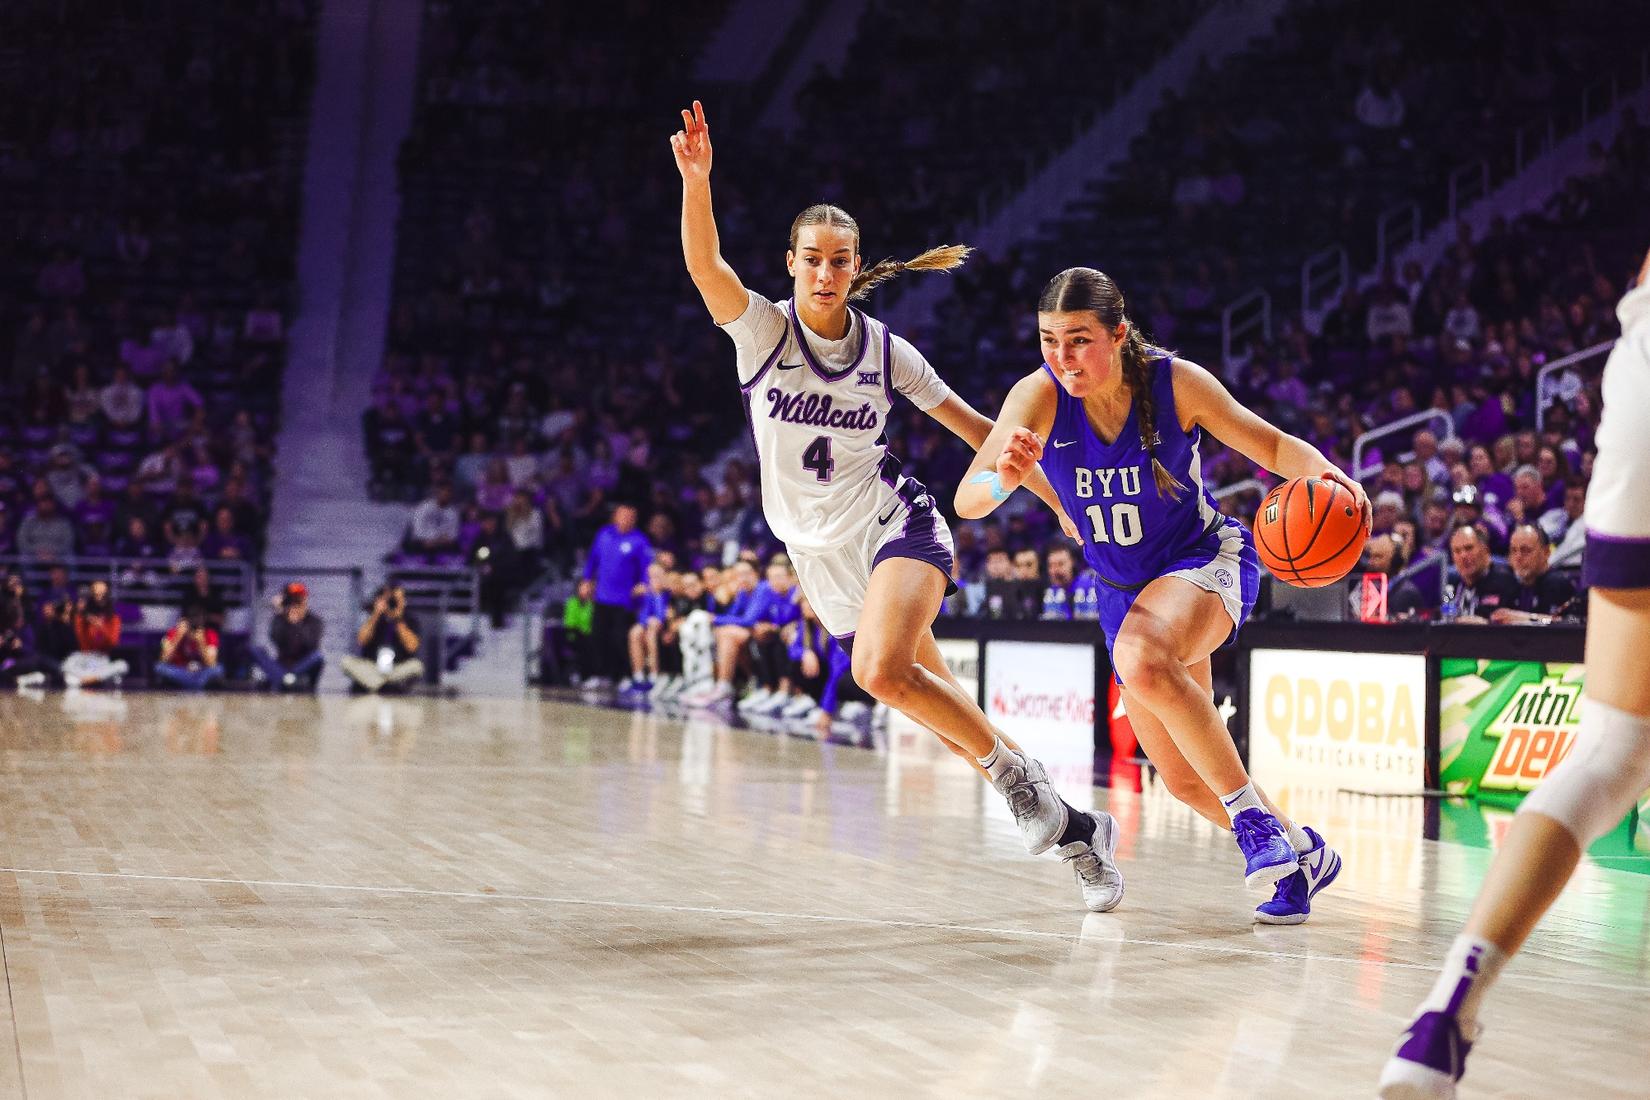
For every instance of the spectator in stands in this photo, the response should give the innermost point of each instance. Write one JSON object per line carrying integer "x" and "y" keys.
{"x": 203, "y": 593}
{"x": 293, "y": 661}
{"x": 1529, "y": 502}
{"x": 137, "y": 541}
{"x": 1027, "y": 565}
{"x": 1380, "y": 105}
{"x": 1067, "y": 594}
{"x": 97, "y": 628}
{"x": 493, "y": 556}
{"x": 773, "y": 622}
{"x": 1542, "y": 596}
{"x": 94, "y": 520}
{"x": 1436, "y": 466}
{"x": 45, "y": 533}
{"x": 66, "y": 477}
{"x": 1388, "y": 315}
{"x": 189, "y": 652}
{"x": 1572, "y": 540}
{"x": 391, "y": 449}
{"x": 734, "y": 603}
{"x": 172, "y": 402}
{"x": 617, "y": 563}
{"x": 433, "y": 531}
{"x": 184, "y": 523}
{"x": 223, "y": 542}
{"x": 389, "y": 645}
{"x": 1382, "y": 555}
{"x": 20, "y": 664}
{"x": 525, "y": 525}
{"x": 1482, "y": 587}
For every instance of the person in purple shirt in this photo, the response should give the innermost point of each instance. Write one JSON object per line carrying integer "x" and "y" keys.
{"x": 94, "y": 518}
{"x": 773, "y": 615}
{"x": 172, "y": 401}
{"x": 617, "y": 571}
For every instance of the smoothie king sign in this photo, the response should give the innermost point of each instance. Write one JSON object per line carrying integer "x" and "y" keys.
{"x": 1505, "y": 724}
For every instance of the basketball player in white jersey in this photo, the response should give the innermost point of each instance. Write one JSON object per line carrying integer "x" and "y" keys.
{"x": 870, "y": 548}
{"x": 1608, "y": 768}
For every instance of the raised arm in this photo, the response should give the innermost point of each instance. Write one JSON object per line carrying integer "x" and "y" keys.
{"x": 724, "y": 294}
{"x": 1007, "y": 457}
{"x": 973, "y": 428}
{"x": 1203, "y": 400}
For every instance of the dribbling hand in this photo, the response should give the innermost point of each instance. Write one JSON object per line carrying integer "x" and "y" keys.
{"x": 1020, "y": 453}
{"x": 1359, "y": 497}
{"x": 691, "y": 144}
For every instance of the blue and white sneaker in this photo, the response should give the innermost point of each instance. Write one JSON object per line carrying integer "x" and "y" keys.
{"x": 1292, "y": 901}
{"x": 1267, "y": 853}
{"x": 1429, "y": 1060}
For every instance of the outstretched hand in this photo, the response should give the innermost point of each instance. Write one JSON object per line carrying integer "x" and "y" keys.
{"x": 691, "y": 144}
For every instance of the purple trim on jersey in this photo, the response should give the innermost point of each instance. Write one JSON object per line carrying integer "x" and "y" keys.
{"x": 888, "y": 365}
{"x": 750, "y": 422}
{"x": 1615, "y": 561}
{"x": 747, "y": 387}
{"x": 808, "y": 354}
{"x": 846, "y": 641}
{"x": 920, "y": 540}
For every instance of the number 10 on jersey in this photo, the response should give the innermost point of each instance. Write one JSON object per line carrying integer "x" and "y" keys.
{"x": 1124, "y": 528}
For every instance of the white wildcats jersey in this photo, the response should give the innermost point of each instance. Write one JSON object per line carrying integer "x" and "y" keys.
{"x": 818, "y": 412}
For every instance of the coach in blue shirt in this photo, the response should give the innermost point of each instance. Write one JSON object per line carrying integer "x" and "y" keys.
{"x": 615, "y": 576}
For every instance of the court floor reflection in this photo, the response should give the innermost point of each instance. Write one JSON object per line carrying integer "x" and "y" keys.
{"x": 330, "y": 897}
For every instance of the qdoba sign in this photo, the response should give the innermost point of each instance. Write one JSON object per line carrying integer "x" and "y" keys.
{"x": 1351, "y": 720}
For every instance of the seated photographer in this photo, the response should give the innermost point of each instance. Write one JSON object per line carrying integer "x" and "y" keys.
{"x": 97, "y": 628}
{"x": 1542, "y": 596}
{"x": 189, "y": 652}
{"x": 295, "y": 662}
{"x": 389, "y": 644}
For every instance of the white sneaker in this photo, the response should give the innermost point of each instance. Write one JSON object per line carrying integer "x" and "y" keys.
{"x": 1037, "y": 810}
{"x": 660, "y": 687}
{"x": 777, "y": 705}
{"x": 879, "y": 716}
{"x": 1097, "y": 873}
{"x": 674, "y": 686}
{"x": 708, "y": 695}
{"x": 798, "y": 706}
{"x": 756, "y": 701}
{"x": 594, "y": 683}
{"x": 30, "y": 680}
{"x": 852, "y": 711}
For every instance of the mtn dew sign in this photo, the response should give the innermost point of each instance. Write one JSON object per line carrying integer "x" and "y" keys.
{"x": 1505, "y": 724}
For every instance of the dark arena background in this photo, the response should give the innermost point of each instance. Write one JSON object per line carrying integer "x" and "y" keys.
{"x": 400, "y": 697}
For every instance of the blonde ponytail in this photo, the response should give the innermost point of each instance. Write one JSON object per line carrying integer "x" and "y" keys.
{"x": 943, "y": 258}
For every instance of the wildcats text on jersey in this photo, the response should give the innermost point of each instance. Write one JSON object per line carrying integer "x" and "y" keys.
{"x": 817, "y": 411}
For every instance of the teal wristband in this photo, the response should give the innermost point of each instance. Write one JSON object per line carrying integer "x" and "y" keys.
{"x": 995, "y": 480}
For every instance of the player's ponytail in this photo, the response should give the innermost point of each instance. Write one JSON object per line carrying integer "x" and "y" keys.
{"x": 943, "y": 258}
{"x": 1080, "y": 289}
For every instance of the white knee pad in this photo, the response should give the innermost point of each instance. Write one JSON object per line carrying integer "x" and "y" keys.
{"x": 1601, "y": 779}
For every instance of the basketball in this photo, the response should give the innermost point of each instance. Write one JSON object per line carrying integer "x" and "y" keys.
{"x": 1309, "y": 532}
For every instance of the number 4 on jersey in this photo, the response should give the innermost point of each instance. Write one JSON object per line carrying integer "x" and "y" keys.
{"x": 818, "y": 458}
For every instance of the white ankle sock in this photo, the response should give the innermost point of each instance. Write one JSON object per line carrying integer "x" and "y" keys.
{"x": 1244, "y": 798}
{"x": 998, "y": 760}
{"x": 1469, "y": 970}
{"x": 1298, "y": 839}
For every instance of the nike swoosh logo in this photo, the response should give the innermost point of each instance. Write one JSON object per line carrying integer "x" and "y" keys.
{"x": 1317, "y": 865}
{"x": 1067, "y": 443}
{"x": 884, "y": 519}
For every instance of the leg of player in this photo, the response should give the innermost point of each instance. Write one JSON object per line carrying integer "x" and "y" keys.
{"x": 1591, "y": 790}
{"x": 902, "y": 600}
{"x": 1172, "y": 625}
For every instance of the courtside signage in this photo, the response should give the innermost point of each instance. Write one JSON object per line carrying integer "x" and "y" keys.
{"x": 1352, "y": 720}
{"x": 1505, "y": 724}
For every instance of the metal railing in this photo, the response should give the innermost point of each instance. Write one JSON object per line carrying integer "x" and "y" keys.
{"x": 1468, "y": 184}
{"x": 1317, "y": 273}
{"x": 1425, "y": 416}
{"x": 1250, "y": 313}
{"x": 1398, "y": 228}
{"x": 151, "y": 581}
{"x": 1247, "y": 485}
{"x": 1546, "y": 380}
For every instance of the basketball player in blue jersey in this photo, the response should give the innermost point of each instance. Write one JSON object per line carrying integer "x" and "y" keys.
{"x": 1608, "y": 767}
{"x": 1124, "y": 421}
{"x": 871, "y": 551}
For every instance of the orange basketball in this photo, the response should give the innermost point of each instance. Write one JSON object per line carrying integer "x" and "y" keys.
{"x": 1309, "y": 532}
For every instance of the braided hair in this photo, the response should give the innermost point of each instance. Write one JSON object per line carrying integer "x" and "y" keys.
{"x": 943, "y": 258}
{"x": 1083, "y": 289}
